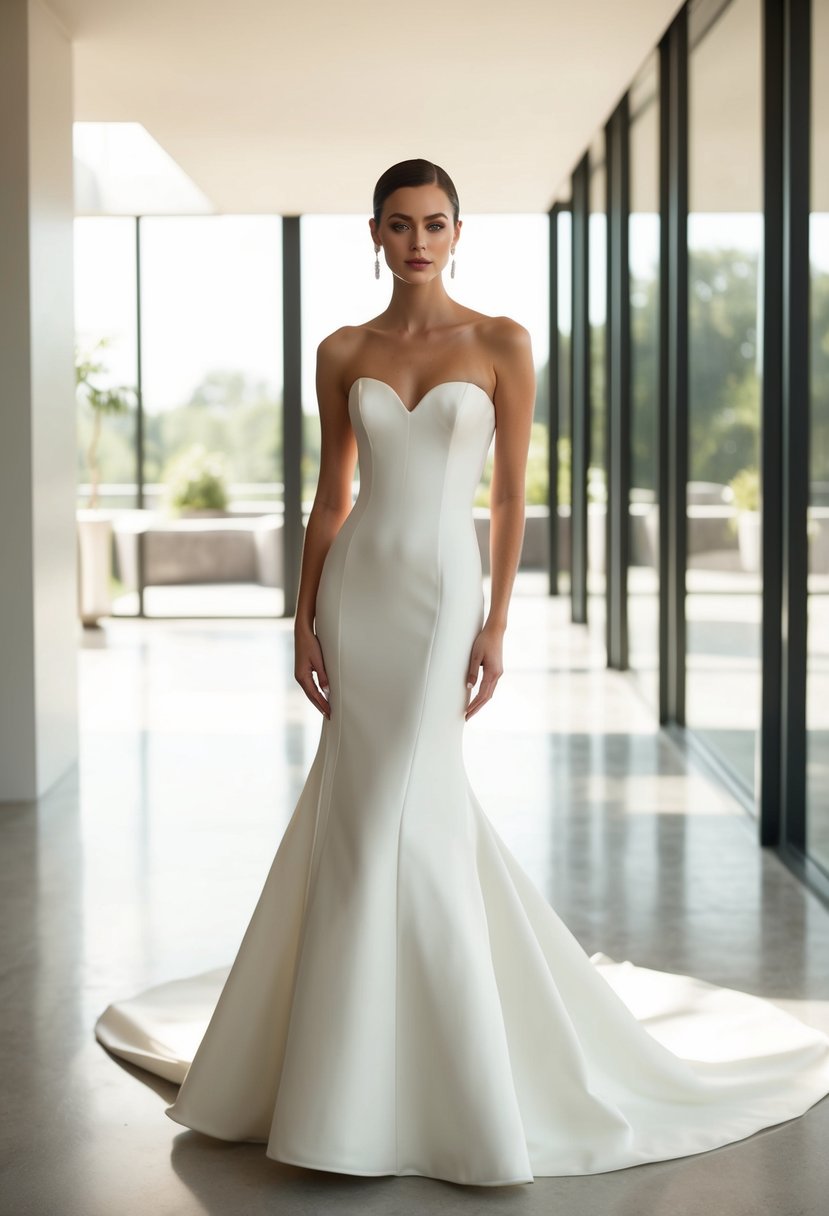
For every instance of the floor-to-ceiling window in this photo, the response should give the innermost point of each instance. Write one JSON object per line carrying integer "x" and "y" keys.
{"x": 206, "y": 539}
{"x": 817, "y": 704}
{"x": 564, "y": 239}
{"x": 643, "y": 507}
{"x": 725, "y": 228}
{"x": 597, "y": 307}
{"x": 211, "y": 357}
{"x": 713, "y": 677}
{"x": 106, "y": 359}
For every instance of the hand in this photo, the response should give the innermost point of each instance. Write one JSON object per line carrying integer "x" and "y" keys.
{"x": 487, "y": 653}
{"x": 307, "y": 660}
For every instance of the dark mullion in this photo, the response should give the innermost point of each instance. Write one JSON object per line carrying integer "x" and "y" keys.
{"x": 608, "y": 397}
{"x": 554, "y": 408}
{"x": 771, "y": 438}
{"x": 291, "y": 412}
{"x": 580, "y": 390}
{"x": 623, "y": 445}
{"x": 662, "y": 479}
{"x": 795, "y": 423}
{"x": 680, "y": 430}
{"x": 618, "y": 381}
{"x": 673, "y": 372}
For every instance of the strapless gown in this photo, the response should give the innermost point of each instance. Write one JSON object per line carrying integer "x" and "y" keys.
{"x": 404, "y": 1000}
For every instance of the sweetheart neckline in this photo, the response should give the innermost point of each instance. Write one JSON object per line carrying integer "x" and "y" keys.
{"x": 429, "y": 391}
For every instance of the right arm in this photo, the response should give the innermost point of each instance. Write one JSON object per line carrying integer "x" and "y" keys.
{"x": 332, "y": 503}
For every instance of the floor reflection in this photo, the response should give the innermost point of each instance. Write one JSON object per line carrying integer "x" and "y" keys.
{"x": 145, "y": 864}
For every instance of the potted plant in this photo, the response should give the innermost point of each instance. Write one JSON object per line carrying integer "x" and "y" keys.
{"x": 745, "y": 495}
{"x": 94, "y": 524}
{"x": 195, "y": 482}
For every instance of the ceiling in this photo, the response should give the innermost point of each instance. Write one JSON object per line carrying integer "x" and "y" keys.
{"x": 298, "y": 108}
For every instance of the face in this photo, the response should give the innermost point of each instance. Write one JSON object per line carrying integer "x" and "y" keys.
{"x": 416, "y": 224}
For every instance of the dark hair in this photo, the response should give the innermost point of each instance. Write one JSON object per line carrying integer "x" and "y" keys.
{"x": 413, "y": 173}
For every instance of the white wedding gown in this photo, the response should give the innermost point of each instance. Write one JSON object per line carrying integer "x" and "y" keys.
{"x": 404, "y": 1000}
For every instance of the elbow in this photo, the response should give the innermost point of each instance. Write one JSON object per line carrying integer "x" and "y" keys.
{"x": 331, "y": 506}
{"x": 515, "y": 501}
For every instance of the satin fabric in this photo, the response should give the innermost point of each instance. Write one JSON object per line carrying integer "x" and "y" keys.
{"x": 404, "y": 1000}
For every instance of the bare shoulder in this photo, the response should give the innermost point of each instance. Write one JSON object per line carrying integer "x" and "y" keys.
{"x": 506, "y": 335}
{"x": 510, "y": 349}
{"x": 334, "y": 353}
{"x": 338, "y": 343}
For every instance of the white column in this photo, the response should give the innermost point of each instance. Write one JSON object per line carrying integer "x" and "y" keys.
{"x": 39, "y": 627}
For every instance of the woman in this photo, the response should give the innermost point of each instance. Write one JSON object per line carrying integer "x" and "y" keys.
{"x": 422, "y": 339}
{"x": 404, "y": 1000}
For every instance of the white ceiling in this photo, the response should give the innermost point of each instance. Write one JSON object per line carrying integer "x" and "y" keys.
{"x": 298, "y": 108}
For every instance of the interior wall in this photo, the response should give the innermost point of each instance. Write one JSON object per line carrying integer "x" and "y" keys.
{"x": 39, "y": 626}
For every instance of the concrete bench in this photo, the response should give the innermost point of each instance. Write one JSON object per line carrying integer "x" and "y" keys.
{"x": 207, "y": 549}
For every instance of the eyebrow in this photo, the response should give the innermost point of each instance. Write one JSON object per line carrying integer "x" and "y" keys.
{"x": 402, "y": 216}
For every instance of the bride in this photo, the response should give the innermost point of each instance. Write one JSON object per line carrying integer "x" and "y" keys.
{"x": 404, "y": 1000}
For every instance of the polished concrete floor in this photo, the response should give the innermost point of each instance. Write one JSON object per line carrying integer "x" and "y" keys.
{"x": 145, "y": 864}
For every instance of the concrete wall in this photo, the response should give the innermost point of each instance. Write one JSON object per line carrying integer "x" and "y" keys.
{"x": 39, "y": 627}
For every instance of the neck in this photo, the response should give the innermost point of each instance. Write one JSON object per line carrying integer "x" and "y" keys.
{"x": 416, "y": 308}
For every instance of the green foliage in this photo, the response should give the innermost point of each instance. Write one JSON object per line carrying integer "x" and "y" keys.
{"x": 229, "y": 413}
{"x": 115, "y": 447}
{"x": 538, "y": 473}
{"x": 244, "y": 422}
{"x": 241, "y": 416}
{"x": 724, "y": 385}
{"x": 311, "y": 448}
{"x": 644, "y": 326}
{"x": 537, "y": 479}
{"x": 564, "y": 469}
{"x": 745, "y": 494}
{"x": 195, "y": 478}
{"x": 100, "y": 398}
{"x": 745, "y": 490}
{"x": 724, "y": 401}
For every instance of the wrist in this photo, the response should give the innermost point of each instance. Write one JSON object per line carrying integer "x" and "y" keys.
{"x": 495, "y": 624}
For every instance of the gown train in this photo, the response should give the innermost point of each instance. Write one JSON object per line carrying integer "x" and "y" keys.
{"x": 404, "y": 1000}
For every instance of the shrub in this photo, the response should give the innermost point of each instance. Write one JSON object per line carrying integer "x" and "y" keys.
{"x": 195, "y": 479}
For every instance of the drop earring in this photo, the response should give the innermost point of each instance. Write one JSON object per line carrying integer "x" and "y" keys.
{"x": 377, "y": 261}
{"x": 452, "y": 272}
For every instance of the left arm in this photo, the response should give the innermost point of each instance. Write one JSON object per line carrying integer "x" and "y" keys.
{"x": 514, "y": 406}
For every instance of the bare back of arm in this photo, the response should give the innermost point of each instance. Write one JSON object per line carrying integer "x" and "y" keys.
{"x": 332, "y": 503}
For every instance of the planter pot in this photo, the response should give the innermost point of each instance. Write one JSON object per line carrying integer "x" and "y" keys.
{"x": 748, "y": 539}
{"x": 650, "y": 558}
{"x": 94, "y": 565}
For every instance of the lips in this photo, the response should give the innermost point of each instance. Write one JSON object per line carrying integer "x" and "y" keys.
{"x": 418, "y": 262}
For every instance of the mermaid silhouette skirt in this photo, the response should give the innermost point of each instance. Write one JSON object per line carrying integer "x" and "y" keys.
{"x": 404, "y": 1000}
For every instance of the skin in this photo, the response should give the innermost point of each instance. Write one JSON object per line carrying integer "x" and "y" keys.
{"x": 428, "y": 338}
